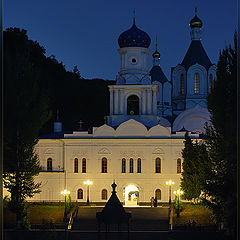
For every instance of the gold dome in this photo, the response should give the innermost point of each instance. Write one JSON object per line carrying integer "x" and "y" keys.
{"x": 196, "y": 22}
{"x": 156, "y": 54}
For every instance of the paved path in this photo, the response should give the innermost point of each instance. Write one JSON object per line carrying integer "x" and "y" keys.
{"x": 143, "y": 219}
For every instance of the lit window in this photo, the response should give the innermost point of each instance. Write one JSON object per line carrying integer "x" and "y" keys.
{"x": 139, "y": 165}
{"x": 75, "y": 165}
{"x": 196, "y": 83}
{"x": 104, "y": 165}
{"x": 84, "y": 165}
{"x": 158, "y": 194}
{"x": 123, "y": 165}
{"x": 179, "y": 165}
{"x": 104, "y": 194}
{"x": 80, "y": 194}
{"x": 49, "y": 164}
{"x": 158, "y": 165}
{"x": 131, "y": 165}
{"x": 210, "y": 83}
{"x": 182, "y": 84}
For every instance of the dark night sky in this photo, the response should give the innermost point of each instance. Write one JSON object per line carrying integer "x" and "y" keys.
{"x": 85, "y": 32}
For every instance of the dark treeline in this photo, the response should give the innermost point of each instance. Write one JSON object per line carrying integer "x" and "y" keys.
{"x": 74, "y": 97}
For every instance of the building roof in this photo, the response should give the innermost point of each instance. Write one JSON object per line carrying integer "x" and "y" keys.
{"x": 196, "y": 54}
{"x": 113, "y": 212}
{"x": 55, "y": 135}
{"x": 157, "y": 74}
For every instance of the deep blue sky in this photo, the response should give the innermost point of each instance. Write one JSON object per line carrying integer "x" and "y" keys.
{"x": 85, "y": 32}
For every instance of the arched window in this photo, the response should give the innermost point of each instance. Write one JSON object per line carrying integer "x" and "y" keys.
{"x": 139, "y": 165}
{"x": 104, "y": 165}
{"x": 104, "y": 194}
{"x": 210, "y": 82}
{"x": 84, "y": 165}
{"x": 196, "y": 83}
{"x": 80, "y": 194}
{"x": 158, "y": 194}
{"x": 75, "y": 165}
{"x": 49, "y": 164}
{"x": 158, "y": 165}
{"x": 123, "y": 165}
{"x": 131, "y": 165}
{"x": 179, "y": 165}
{"x": 182, "y": 84}
{"x": 133, "y": 105}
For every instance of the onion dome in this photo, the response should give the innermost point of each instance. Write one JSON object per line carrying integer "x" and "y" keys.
{"x": 156, "y": 54}
{"x": 196, "y": 22}
{"x": 134, "y": 37}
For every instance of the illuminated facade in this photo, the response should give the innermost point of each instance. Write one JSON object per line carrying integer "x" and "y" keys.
{"x": 140, "y": 145}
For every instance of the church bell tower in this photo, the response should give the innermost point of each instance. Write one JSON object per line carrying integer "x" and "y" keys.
{"x": 133, "y": 96}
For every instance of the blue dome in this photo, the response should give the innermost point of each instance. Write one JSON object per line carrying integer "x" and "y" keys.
{"x": 134, "y": 37}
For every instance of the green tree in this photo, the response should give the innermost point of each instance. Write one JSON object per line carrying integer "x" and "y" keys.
{"x": 221, "y": 136}
{"x": 196, "y": 168}
{"x": 190, "y": 183}
{"x": 25, "y": 112}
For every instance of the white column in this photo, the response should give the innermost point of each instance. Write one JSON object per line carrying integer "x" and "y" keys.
{"x": 155, "y": 101}
{"x": 149, "y": 102}
{"x": 116, "y": 103}
{"x": 144, "y": 102}
{"x": 111, "y": 101}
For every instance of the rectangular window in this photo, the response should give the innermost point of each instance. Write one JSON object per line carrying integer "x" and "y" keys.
{"x": 182, "y": 84}
{"x": 49, "y": 164}
{"x": 104, "y": 165}
{"x": 158, "y": 165}
{"x": 131, "y": 165}
{"x": 123, "y": 165}
{"x": 84, "y": 165}
{"x": 179, "y": 165}
{"x": 139, "y": 165}
{"x": 75, "y": 165}
{"x": 196, "y": 83}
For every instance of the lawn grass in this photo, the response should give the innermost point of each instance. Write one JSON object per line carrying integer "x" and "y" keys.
{"x": 38, "y": 214}
{"x": 199, "y": 213}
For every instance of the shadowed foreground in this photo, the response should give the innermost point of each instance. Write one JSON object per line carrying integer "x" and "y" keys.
{"x": 143, "y": 219}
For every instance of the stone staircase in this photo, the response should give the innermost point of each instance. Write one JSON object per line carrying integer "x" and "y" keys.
{"x": 143, "y": 219}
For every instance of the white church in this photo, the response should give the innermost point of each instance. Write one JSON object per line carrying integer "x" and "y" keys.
{"x": 140, "y": 145}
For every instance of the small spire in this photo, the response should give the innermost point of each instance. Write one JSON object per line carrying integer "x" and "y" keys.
{"x": 134, "y": 16}
{"x": 114, "y": 185}
{"x": 156, "y": 42}
{"x": 196, "y": 11}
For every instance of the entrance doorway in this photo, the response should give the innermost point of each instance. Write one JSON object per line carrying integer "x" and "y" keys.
{"x": 131, "y": 195}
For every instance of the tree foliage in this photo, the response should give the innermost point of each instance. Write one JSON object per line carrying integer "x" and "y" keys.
{"x": 35, "y": 87}
{"x": 221, "y": 139}
{"x": 195, "y": 168}
{"x": 25, "y": 112}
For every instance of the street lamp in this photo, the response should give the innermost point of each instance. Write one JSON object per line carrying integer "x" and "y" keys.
{"x": 88, "y": 182}
{"x": 178, "y": 193}
{"x": 65, "y": 192}
{"x": 170, "y": 183}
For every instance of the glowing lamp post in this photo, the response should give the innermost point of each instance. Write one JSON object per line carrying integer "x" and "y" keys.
{"x": 65, "y": 192}
{"x": 170, "y": 183}
{"x": 88, "y": 182}
{"x": 178, "y": 193}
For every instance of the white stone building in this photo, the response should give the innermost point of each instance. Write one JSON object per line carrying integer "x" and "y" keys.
{"x": 140, "y": 145}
